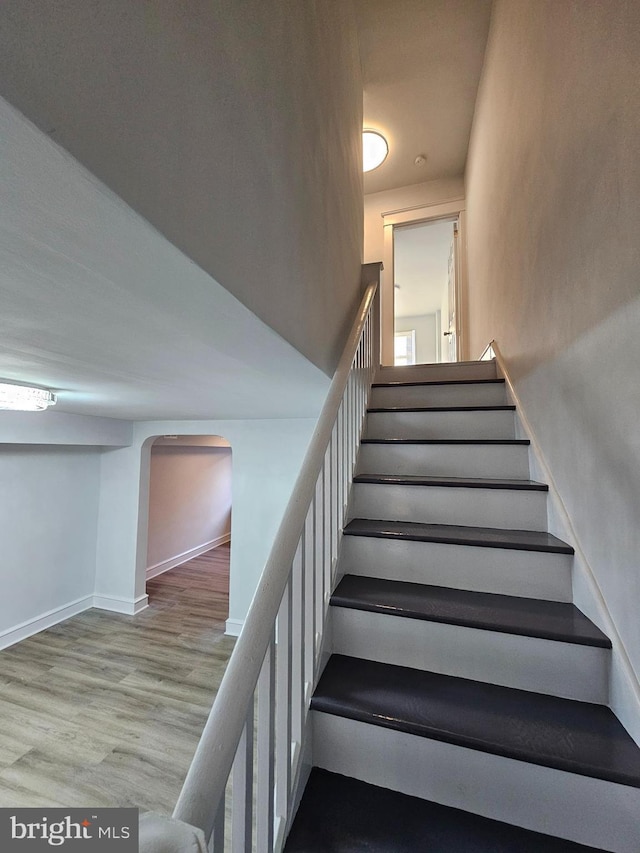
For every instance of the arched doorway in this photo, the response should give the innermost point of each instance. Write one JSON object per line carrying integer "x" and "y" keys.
{"x": 189, "y": 525}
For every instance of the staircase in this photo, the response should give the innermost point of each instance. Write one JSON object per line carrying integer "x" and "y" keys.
{"x": 464, "y": 707}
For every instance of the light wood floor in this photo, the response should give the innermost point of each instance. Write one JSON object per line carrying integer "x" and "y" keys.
{"x": 107, "y": 710}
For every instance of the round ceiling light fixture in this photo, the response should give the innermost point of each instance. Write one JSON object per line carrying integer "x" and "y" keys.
{"x": 374, "y": 150}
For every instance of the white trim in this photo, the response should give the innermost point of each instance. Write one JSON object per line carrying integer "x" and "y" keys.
{"x": 413, "y": 212}
{"x": 141, "y": 603}
{"x": 487, "y": 353}
{"x": 116, "y": 604}
{"x": 431, "y": 212}
{"x": 46, "y": 620}
{"x": 233, "y": 627}
{"x": 619, "y": 696}
{"x": 179, "y": 559}
{"x": 387, "y": 299}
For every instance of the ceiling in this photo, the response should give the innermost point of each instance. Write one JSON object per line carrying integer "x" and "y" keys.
{"x": 421, "y": 65}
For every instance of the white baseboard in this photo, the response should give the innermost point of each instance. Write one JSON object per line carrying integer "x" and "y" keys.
{"x": 233, "y": 627}
{"x": 624, "y": 697}
{"x": 46, "y": 620}
{"x": 116, "y": 604}
{"x": 179, "y": 559}
{"x": 59, "y": 614}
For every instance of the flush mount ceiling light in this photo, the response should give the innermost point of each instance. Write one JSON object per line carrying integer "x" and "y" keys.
{"x": 374, "y": 150}
{"x": 25, "y": 398}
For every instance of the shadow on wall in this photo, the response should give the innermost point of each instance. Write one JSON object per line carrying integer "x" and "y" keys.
{"x": 189, "y": 499}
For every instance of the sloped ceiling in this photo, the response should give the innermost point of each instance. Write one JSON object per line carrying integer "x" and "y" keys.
{"x": 421, "y": 65}
{"x": 97, "y": 305}
{"x": 190, "y": 113}
{"x": 230, "y": 130}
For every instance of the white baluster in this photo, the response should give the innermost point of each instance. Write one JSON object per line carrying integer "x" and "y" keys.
{"x": 318, "y": 543}
{"x": 344, "y": 463}
{"x": 216, "y": 842}
{"x": 301, "y": 570}
{"x": 328, "y": 532}
{"x": 242, "y": 780}
{"x": 310, "y": 598}
{"x": 335, "y": 499}
{"x": 264, "y": 789}
{"x": 297, "y": 641}
{"x": 283, "y": 706}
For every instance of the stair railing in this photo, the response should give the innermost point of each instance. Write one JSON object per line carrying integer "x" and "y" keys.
{"x": 266, "y": 689}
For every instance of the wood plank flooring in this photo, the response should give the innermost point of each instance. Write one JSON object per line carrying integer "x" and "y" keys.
{"x": 107, "y": 710}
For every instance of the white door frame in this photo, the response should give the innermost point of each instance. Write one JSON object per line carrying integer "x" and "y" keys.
{"x": 414, "y": 215}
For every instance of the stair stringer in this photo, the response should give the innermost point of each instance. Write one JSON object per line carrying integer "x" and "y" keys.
{"x": 624, "y": 684}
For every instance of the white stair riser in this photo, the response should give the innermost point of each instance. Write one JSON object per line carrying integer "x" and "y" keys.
{"x": 439, "y": 395}
{"x": 453, "y": 460}
{"x": 568, "y": 805}
{"x": 502, "y": 508}
{"x": 528, "y": 663}
{"x": 474, "y": 424}
{"x": 438, "y": 372}
{"x": 531, "y": 574}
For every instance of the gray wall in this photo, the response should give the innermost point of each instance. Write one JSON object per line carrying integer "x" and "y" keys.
{"x": 553, "y": 182}
{"x": 234, "y": 127}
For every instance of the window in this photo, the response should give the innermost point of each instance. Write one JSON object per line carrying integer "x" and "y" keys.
{"x": 405, "y": 347}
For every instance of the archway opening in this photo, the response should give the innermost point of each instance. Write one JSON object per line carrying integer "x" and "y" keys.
{"x": 189, "y": 529}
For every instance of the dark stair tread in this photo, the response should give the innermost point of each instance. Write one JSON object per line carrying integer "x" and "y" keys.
{"x": 509, "y": 442}
{"x": 529, "y": 617}
{"x": 412, "y": 384}
{"x": 476, "y": 408}
{"x": 338, "y": 814}
{"x": 453, "y": 482}
{"x": 454, "y": 534}
{"x": 577, "y": 737}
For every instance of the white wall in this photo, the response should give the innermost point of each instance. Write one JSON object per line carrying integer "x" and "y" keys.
{"x": 48, "y": 524}
{"x": 189, "y": 501}
{"x": 59, "y": 428}
{"x": 267, "y": 455}
{"x": 74, "y": 521}
{"x": 430, "y": 193}
{"x": 553, "y": 183}
{"x": 425, "y": 326}
{"x": 49, "y": 500}
{"x": 401, "y": 206}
